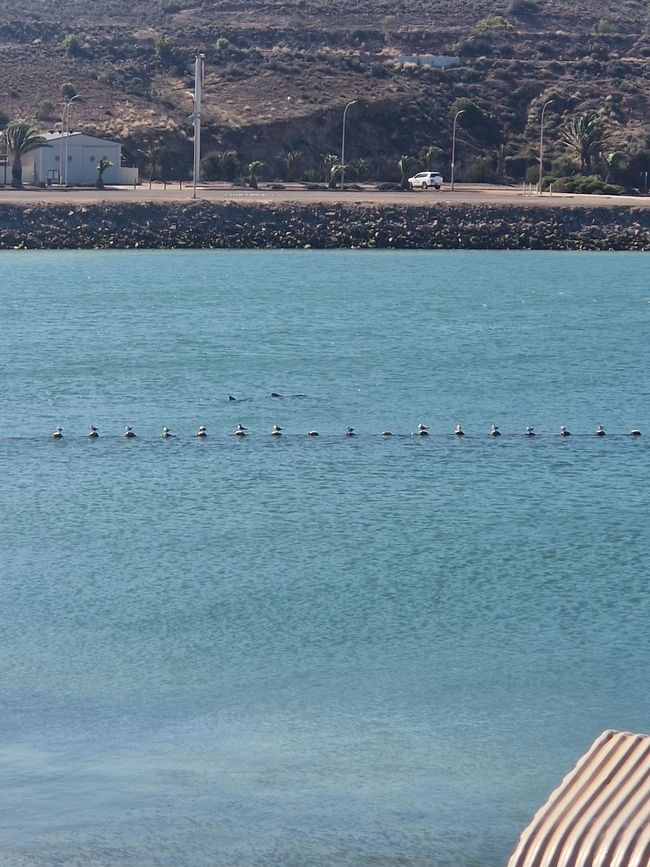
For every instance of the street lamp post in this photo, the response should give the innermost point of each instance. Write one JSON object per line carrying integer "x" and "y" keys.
{"x": 453, "y": 145}
{"x": 541, "y": 147}
{"x": 345, "y": 111}
{"x": 5, "y": 155}
{"x": 63, "y": 151}
{"x": 196, "y": 115}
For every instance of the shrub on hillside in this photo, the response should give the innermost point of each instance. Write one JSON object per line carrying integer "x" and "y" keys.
{"x": 72, "y": 45}
{"x": 493, "y": 22}
{"x": 522, "y": 7}
{"x": 46, "y": 110}
{"x": 164, "y": 49}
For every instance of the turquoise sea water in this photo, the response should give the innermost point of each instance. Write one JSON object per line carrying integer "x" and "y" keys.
{"x": 332, "y": 651}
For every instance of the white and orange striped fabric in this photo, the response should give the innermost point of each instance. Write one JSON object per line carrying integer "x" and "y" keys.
{"x": 599, "y": 816}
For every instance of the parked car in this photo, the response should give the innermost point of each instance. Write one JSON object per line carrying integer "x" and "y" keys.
{"x": 424, "y": 180}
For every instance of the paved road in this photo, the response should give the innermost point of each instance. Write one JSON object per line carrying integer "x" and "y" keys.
{"x": 463, "y": 194}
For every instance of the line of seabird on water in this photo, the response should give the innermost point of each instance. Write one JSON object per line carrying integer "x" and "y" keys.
{"x": 278, "y": 431}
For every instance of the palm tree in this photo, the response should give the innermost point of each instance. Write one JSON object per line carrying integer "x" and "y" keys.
{"x": 254, "y": 169}
{"x": 501, "y": 154}
{"x": 613, "y": 162}
{"x": 406, "y": 165}
{"x": 22, "y": 138}
{"x": 151, "y": 155}
{"x": 292, "y": 164}
{"x": 102, "y": 165}
{"x": 363, "y": 168}
{"x": 333, "y": 168}
{"x": 431, "y": 155}
{"x": 585, "y": 138}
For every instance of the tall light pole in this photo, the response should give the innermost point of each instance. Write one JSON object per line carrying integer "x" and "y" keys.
{"x": 345, "y": 111}
{"x": 541, "y": 147}
{"x": 453, "y": 145}
{"x": 196, "y": 116}
{"x": 4, "y": 154}
{"x": 63, "y": 151}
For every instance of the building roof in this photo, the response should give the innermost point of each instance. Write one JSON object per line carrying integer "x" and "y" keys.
{"x": 599, "y": 816}
{"x": 56, "y": 136}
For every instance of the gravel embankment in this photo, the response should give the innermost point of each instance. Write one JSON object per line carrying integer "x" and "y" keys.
{"x": 206, "y": 225}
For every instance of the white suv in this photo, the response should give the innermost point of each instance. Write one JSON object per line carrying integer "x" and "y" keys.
{"x": 424, "y": 180}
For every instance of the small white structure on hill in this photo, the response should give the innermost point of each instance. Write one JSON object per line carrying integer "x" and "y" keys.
{"x": 80, "y": 153}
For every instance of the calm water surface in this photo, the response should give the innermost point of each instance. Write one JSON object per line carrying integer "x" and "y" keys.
{"x": 314, "y": 652}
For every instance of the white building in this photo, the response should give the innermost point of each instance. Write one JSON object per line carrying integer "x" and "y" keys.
{"x": 80, "y": 153}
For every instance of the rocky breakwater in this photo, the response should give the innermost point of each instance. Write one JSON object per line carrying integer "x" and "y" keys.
{"x": 322, "y": 226}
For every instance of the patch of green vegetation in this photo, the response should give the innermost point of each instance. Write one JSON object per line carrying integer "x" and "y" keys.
{"x": 493, "y": 22}
{"x": 46, "y": 110}
{"x": 164, "y": 48}
{"x": 73, "y": 44}
{"x": 584, "y": 184}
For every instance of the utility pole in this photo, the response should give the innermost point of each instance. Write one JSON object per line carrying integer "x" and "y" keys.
{"x": 196, "y": 116}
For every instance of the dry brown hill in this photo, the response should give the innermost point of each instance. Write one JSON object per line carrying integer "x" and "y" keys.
{"x": 279, "y": 73}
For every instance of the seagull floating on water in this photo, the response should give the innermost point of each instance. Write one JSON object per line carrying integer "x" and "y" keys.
{"x": 93, "y": 433}
{"x": 240, "y": 430}
{"x": 277, "y": 431}
{"x": 166, "y": 433}
{"x": 458, "y": 431}
{"x": 128, "y": 432}
{"x": 202, "y": 431}
{"x": 600, "y": 431}
{"x": 530, "y": 431}
{"x": 423, "y": 430}
{"x": 564, "y": 432}
{"x": 57, "y": 433}
{"x": 495, "y": 432}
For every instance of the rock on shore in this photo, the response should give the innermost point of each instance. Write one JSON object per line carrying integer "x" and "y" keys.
{"x": 321, "y": 226}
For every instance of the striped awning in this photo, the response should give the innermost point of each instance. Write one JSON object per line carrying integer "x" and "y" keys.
{"x": 599, "y": 816}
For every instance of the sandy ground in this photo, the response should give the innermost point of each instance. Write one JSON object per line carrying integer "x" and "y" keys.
{"x": 462, "y": 194}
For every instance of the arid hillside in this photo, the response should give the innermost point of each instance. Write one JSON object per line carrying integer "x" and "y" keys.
{"x": 278, "y": 76}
